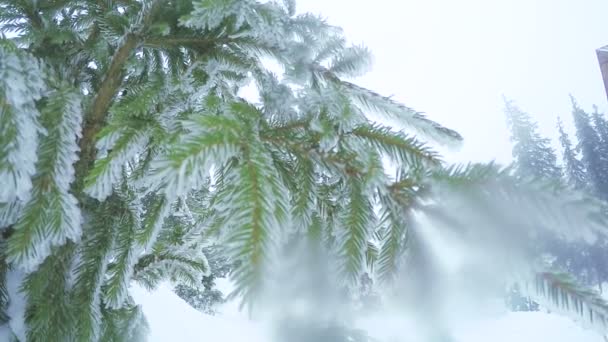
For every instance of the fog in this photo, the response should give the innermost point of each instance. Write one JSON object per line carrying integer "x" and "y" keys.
{"x": 456, "y": 59}
{"x": 451, "y": 286}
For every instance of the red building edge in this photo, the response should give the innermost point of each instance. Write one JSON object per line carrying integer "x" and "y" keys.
{"x": 602, "y": 58}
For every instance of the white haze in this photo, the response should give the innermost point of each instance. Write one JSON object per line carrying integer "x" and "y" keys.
{"x": 451, "y": 285}
{"x": 455, "y": 59}
{"x": 457, "y": 293}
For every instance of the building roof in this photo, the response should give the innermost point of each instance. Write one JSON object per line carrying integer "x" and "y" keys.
{"x": 602, "y": 54}
{"x": 602, "y": 58}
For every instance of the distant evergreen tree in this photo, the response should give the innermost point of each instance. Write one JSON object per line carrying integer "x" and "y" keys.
{"x": 599, "y": 252}
{"x": 534, "y": 157}
{"x": 594, "y": 156}
{"x": 574, "y": 170}
{"x": 573, "y": 257}
{"x": 588, "y": 263}
{"x": 601, "y": 126}
{"x": 533, "y": 154}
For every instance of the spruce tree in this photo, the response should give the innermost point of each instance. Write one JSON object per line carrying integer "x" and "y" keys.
{"x": 127, "y": 148}
{"x": 601, "y": 126}
{"x": 533, "y": 154}
{"x": 533, "y": 157}
{"x": 588, "y": 174}
{"x": 575, "y": 257}
{"x": 598, "y": 253}
{"x": 574, "y": 169}
{"x": 590, "y": 145}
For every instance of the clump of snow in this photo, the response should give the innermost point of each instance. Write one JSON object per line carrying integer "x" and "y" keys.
{"x": 172, "y": 319}
{"x": 16, "y": 305}
{"x": 5, "y": 333}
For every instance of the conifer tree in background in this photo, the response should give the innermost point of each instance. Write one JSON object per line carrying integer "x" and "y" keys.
{"x": 533, "y": 154}
{"x": 590, "y": 145}
{"x": 578, "y": 258}
{"x": 126, "y": 149}
{"x": 599, "y": 252}
{"x": 592, "y": 134}
{"x": 601, "y": 126}
{"x": 587, "y": 262}
{"x": 533, "y": 157}
{"x": 574, "y": 170}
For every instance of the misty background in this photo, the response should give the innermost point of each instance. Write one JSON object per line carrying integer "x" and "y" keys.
{"x": 456, "y": 59}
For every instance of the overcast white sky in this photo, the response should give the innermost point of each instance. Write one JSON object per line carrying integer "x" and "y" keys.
{"x": 455, "y": 59}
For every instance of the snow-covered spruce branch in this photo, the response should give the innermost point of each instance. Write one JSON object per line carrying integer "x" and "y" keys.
{"x": 108, "y": 89}
{"x": 560, "y": 293}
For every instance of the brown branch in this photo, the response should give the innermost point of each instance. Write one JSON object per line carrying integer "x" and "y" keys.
{"x": 100, "y": 106}
{"x": 402, "y": 184}
{"x": 102, "y": 101}
{"x": 34, "y": 17}
{"x": 156, "y": 42}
